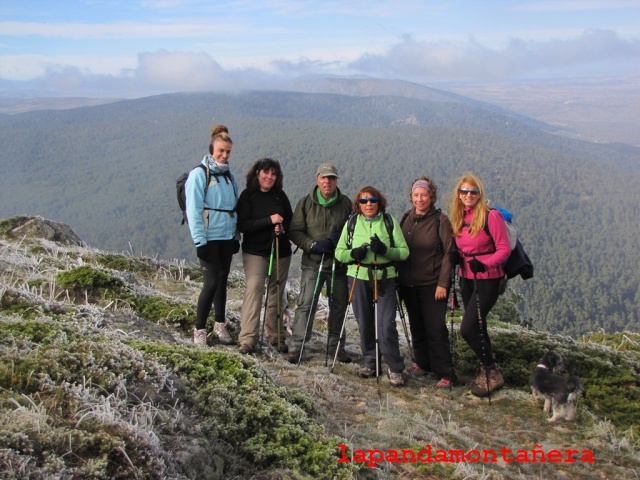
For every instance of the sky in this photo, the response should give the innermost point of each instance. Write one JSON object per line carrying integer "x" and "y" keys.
{"x": 134, "y": 48}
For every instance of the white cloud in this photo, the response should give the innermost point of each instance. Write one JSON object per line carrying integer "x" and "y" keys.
{"x": 117, "y": 30}
{"x": 472, "y": 60}
{"x": 421, "y": 61}
{"x": 573, "y": 5}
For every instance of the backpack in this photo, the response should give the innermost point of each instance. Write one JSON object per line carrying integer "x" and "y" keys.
{"x": 351, "y": 225}
{"x": 182, "y": 198}
{"x": 518, "y": 262}
{"x": 439, "y": 247}
{"x": 182, "y": 180}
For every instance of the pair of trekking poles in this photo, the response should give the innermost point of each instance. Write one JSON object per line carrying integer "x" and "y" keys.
{"x": 314, "y": 301}
{"x": 275, "y": 249}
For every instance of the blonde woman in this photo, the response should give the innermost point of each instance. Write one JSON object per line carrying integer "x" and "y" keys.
{"x": 482, "y": 240}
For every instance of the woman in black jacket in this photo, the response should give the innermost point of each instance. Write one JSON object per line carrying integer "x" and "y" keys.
{"x": 425, "y": 279}
{"x": 264, "y": 215}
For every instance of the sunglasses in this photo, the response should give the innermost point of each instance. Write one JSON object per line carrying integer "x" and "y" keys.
{"x": 464, "y": 191}
{"x": 365, "y": 200}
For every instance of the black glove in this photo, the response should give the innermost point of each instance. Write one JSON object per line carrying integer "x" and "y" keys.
{"x": 454, "y": 257}
{"x": 377, "y": 246}
{"x": 202, "y": 253}
{"x": 236, "y": 246}
{"x": 334, "y": 237}
{"x": 477, "y": 266}
{"x": 359, "y": 253}
{"x": 322, "y": 246}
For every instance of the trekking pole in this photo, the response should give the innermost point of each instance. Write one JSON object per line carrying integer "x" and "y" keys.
{"x": 375, "y": 317}
{"x": 481, "y": 325}
{"x": 313, "y": 299}
{"x": 268, "y": 284}
{"x": 453, "y": 308}
{"x": 404, "y": 324}
{"x": 346, "y": 312}
{"x": 279, "y": 297}
{"x": 333, "y": 275}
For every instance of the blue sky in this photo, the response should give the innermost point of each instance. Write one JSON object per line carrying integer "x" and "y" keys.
{"x": 141, "y": 47}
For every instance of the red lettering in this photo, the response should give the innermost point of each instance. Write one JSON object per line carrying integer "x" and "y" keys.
{"x": 428, "y": 452}
{"x": 569, "y": 458}
{"x": 441, "y": 456}
{"x": 406, "y": 453}
{"x": 538, "y": 452}
{"x": 456, "y": 456}
{"x": 486, "y": 454}
{"x": 505, "y": 451}
{"x": 554, "y": 456}
{"x": 587, "y": 456}
{"x": 344, "y": 458}
{"x": 473, "y": 456}
{"x": 359, "y": 456}
{"x": 375, "y": 457}
{"x": 392, "y": 456}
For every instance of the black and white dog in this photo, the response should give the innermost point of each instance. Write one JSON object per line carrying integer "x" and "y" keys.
{"x": 560, "y": 394}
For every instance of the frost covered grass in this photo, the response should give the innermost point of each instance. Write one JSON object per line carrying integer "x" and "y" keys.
{"x": 99, "y": 379}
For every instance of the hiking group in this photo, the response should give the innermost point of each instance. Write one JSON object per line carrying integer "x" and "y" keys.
{"x": 360, "y": 254}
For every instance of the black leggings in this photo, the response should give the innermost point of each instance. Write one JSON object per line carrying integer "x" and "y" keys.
{"x": 214, "y": 289}
{"x": 470, "y": 327}
{"x": 427, "y": 320}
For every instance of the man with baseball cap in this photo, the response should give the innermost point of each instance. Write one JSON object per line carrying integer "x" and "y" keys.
{"x": 315, "y": 228}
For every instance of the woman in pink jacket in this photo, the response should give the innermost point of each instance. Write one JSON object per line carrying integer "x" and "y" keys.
{"x": 482, "y": 240}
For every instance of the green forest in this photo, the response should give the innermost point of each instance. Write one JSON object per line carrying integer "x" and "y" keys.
{"x": 109, "y": 171}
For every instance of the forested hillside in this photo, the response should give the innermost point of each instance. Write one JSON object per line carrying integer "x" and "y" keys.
{"x": 110, "y": 171}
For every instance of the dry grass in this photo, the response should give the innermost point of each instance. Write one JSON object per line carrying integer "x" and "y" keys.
{"x": 366, "y": 414}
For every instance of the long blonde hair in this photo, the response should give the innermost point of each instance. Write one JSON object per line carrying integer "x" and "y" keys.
{"x": 480, "y": 211}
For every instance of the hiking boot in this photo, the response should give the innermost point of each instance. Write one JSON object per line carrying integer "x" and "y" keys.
{"x": 416, "y": 370}
{"x": 496, "y": 381}
{"x": 366, "y": 372}
{"x": 221, "y": 331}
{"x": 283, "y": 347}
{"x": 395, "y": 379}
{"x": 293, "y": 357}
{"x": 342, "y": 357}
{"x": 200, "y": 337}
{"x": 444, "y": 383}
{"x": 245, "y": 349}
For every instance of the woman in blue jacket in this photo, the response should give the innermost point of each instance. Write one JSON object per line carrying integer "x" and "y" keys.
{"x": 211, "y": 196}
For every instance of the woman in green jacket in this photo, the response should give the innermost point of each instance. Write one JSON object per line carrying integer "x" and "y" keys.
{"x": 371, "y": 243}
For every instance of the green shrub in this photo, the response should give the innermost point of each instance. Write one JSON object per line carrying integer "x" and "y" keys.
{"x": 611, "y": 377}
{"x": 86, "y": 278}
{"x": 239, "y": 405}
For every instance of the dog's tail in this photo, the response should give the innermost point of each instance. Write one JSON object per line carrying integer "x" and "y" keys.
{"x": 575, "y": 386}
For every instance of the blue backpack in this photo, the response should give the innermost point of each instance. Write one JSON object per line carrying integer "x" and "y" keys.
{"x": 518, "y": 262}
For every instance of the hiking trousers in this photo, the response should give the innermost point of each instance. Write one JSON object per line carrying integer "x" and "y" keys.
{"x": 364, "y": 310}
{"x": 477, "y": 338}
{"x": 337, "y": 307}
{"x": 428, "y": 324}
{"x": 215, "y": 272}
{"x": 256, "y": 270}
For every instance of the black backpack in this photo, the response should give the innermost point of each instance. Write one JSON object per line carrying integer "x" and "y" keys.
{"x": 182, "y": 199}
{"x": 182, "y": 180}
{"x": 351, "y": 225}
{"x": 518, "y": 262}
{"x": 439, "y": 247}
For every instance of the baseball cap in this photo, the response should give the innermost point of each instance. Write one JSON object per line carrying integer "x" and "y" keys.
{"x": 327, "y": 170}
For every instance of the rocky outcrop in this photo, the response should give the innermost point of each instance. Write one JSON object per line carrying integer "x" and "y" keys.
{"x": 38, "y": 227}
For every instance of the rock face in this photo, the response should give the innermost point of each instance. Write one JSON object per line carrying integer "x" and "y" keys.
{"x": 38, "y": 227}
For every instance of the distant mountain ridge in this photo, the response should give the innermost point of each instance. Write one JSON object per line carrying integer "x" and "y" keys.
{"x": 110, "y": 171}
